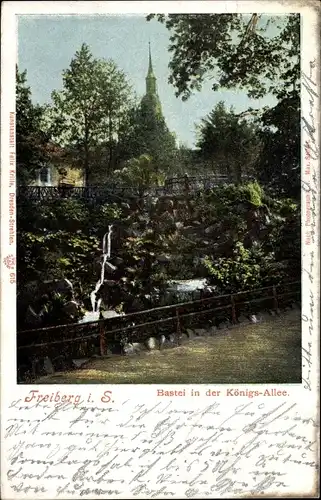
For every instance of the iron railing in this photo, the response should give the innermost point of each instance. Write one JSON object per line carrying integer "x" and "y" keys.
{"x": 84, "y": 339}
{"x": 112, "y": 190}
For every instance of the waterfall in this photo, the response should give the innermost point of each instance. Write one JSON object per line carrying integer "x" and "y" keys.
{"x": 106, "y": 256}
{"x": 71, "y": 288}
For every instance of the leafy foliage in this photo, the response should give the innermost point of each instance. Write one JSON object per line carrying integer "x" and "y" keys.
{"x": 149, "y": 135}
{"x": 144, "y": 277}
{"x": 56, "y": 254}
{"x": 251, "y": 239}
{"x": 30, "y": 139}
{"x": 241, "y": 272}
{"x": 259, "y": 53}
{"x": 222, "y": 198}
{"x": 91, "y": 107}
{"x": 279, "y": 164}
{"x": 140, "y": 173}
{"x": 273, "y": 257}
{"x": 228, "y": 142}
{"x": 61, "y": 240}
{"x": 255, "y": 193}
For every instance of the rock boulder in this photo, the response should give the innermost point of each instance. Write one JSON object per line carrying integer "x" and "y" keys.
{"x": 48, "y": 366}
{"x": 152, "y": 343}
{"x": 190, "y": 333}
{"x": 200, "y": 332}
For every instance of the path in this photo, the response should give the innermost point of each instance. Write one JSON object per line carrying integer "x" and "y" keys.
{"x": 269, "y": 352}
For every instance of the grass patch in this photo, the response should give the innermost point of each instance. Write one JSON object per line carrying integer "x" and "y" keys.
{"x": 269, "y": 352}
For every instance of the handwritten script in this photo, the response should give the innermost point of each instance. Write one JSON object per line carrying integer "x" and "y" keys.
{"x": 159, "y": 449}
{"x": 310, "y": 196}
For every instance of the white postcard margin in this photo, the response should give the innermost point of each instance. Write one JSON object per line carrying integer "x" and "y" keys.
{"x": 219, "y": 446}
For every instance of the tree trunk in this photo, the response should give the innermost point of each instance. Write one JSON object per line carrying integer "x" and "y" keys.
{"x": 86, "y": 157}
{"x": 86, "y": 166}
{"x": 110, "y": 160}
{"x": 238, "y": 172}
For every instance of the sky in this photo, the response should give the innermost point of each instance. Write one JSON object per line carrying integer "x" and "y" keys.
{"x": 46, "y": 45}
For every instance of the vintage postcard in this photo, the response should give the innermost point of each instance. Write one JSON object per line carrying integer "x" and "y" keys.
{"x": 160, "y": 196}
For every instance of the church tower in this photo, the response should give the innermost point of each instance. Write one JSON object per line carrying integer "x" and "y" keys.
{"x": 151, "y": 87}
{"x": 153, "y": 137}
{"x": 151, "y": 98}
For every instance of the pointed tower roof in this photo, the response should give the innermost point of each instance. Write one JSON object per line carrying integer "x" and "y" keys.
{"x": 151, "y": 97}
{"x": 150, "y": 65}
{"x": 151, "y": 87}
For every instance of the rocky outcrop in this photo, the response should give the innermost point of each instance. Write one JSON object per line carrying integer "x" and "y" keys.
{"x": 37, "y": 298}
{"x": 152, "y": 343}
{"x": 109, "y": 314}
{"x": 133, "y": 348}
{"x": 33, "y": 319}
{"x": 71, "y": 309}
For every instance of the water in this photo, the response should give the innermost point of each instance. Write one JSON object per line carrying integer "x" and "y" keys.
{"x": 89, "y": 316}
{"x": 95, "y": 313}
{"x": 183, "y": 290}
{"x": 71, "y": 287}
{"x": 106, "y": 255}
{"x": 187, "y": 286}
{"x": 180, "y": 288}
{"x": 110, "y": 314}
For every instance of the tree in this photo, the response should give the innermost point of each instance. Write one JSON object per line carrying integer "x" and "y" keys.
{"x": 148, "y": 134}
{"x": 140, "y": 173}
{"x": 279, "y": 164}
{"x": 128, "y": 145}
{"x": 30, "y": 139}
{"x": 117, "y": 104}
{"x": 188, "y": 160}
{"x": 228, "y": 142}
{"x": 259, "y": 53}
{"x": 91, "y": 107}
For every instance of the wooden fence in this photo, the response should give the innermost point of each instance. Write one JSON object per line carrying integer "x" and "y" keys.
{"x": 98, "y": 337}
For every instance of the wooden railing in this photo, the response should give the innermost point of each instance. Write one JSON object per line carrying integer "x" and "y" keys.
{"x": 84, "y": 339}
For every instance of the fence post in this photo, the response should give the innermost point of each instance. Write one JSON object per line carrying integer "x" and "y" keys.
{"x": 102, "y": 340}
{"x": 275, "y": 298}
{"x": 233, "y": 310}
{"x": 178, "y": 328}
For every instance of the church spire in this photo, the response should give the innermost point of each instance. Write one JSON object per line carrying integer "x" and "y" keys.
{"x": 150, "y": 66}
{"x": 150, "y": 78}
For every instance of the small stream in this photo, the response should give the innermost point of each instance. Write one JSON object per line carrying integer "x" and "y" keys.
{"x": 177, "y": 291}
{"x": 186, "y": 286}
